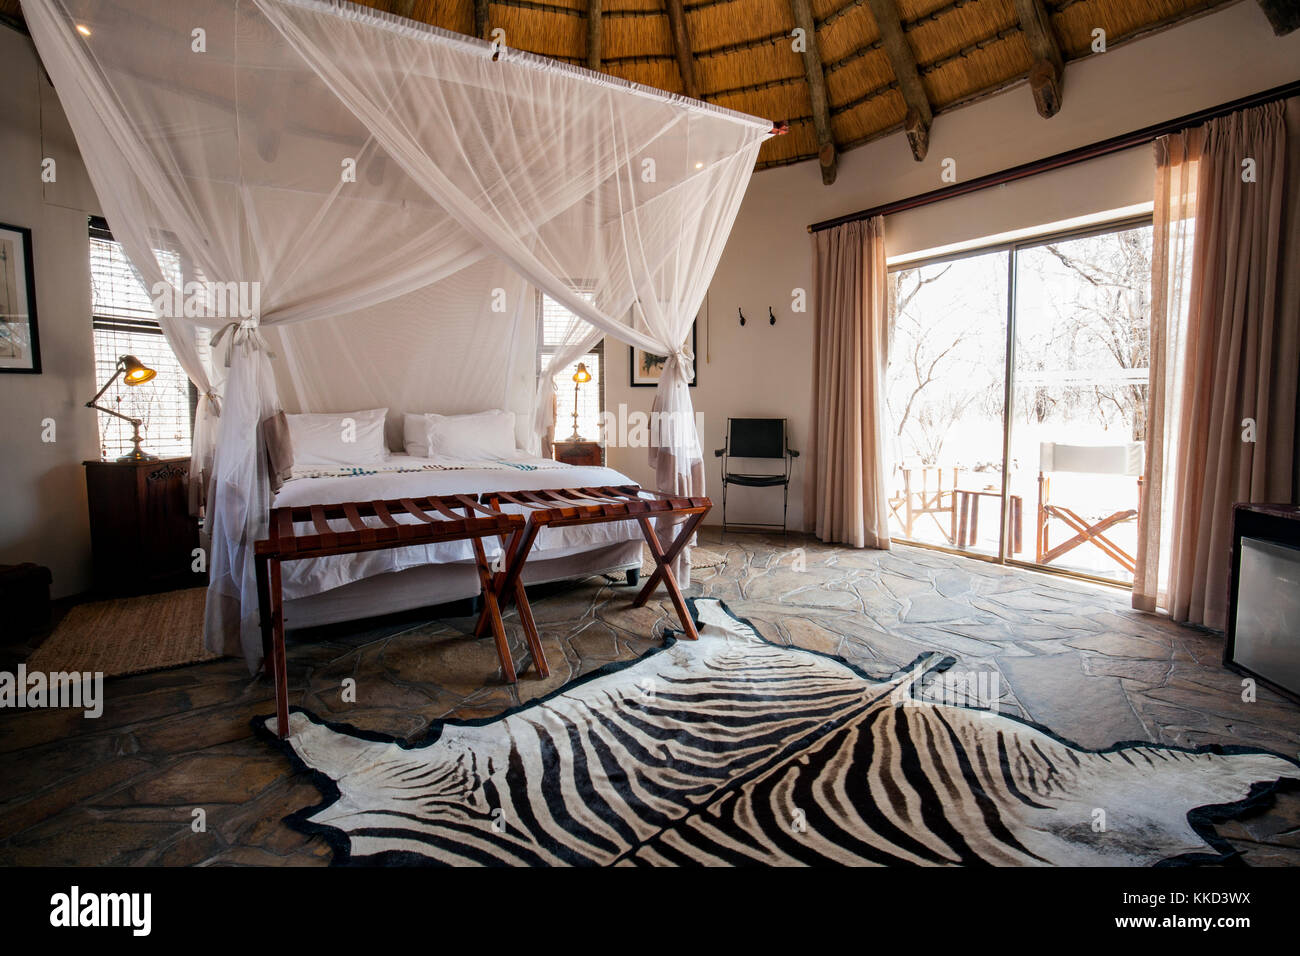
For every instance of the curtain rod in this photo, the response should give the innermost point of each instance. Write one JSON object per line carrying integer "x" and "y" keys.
{"x": 1069, "y": 158}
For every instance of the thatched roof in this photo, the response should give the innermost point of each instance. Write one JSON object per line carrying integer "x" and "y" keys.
{"x": 740, "y": 53}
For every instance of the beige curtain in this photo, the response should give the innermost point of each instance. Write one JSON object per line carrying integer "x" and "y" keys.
{"x": 1224, "y": 356}
{"x": 1177, "y": 166}
{"x": 845, "y": 496}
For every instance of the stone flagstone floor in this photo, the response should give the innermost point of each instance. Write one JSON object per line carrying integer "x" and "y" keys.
{"x": 123, "y": 789}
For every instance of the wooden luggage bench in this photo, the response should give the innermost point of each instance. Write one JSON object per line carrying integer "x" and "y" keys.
{"x": 566, "y": 507}
{"x": 440, "y": 518}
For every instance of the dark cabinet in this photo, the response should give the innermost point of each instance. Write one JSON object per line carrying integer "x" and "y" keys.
{"x": 1263, "y": 627}
{"x": 142, "y": 535}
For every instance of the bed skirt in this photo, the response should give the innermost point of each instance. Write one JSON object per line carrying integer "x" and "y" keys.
{"x": 432, "y": 584}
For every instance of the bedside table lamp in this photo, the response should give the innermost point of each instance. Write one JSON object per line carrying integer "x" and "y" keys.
{"x": 133, "y": 372}
{"x": 579, "y": 377}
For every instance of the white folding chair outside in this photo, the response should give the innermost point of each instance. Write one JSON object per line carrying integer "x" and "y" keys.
{"x": 1125, "y": 459}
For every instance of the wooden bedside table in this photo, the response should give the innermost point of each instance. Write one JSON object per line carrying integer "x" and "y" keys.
{"x": 141, "y": 532}
{"x": 579, "y": 453}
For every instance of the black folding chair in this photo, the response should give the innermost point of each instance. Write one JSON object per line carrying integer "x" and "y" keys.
{"x": 757, "y": 438}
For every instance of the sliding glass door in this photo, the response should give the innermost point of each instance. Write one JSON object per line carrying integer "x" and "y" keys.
{"x": 1079, "y": 382}
{"x": 947, "y": 361}
{"x": 1017, "y": 392}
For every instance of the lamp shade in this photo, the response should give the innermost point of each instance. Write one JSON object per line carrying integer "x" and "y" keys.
{"x": 135, "y": 372}
{"x": 582, "y": 375}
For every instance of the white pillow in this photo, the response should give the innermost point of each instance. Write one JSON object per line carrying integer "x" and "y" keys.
{"x": 481, "y": 435}
{"x": 415, "y": 435}
{"x": 345, "y": 438}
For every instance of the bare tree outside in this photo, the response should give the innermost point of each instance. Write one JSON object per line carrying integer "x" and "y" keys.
{"x": 938, "y": 357}
{"x": 1091, "y": 360}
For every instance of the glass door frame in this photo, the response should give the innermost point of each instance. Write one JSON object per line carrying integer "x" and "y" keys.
{"x": 1012, "y": 248}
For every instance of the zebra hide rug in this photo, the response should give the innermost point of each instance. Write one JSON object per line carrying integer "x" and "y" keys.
{"x": 733, "y": 750}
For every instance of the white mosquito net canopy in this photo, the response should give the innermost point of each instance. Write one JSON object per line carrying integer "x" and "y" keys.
{"x": 386, "y": 195}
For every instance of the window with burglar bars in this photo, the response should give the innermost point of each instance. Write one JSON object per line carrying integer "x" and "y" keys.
{"x": 554, "y": 320}
{"x": 123, "y": 323}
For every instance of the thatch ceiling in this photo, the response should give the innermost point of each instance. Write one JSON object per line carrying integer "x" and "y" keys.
{"x": 858, "y": 82}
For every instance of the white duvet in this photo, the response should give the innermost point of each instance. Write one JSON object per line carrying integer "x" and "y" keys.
{"x": 443, "y": 477}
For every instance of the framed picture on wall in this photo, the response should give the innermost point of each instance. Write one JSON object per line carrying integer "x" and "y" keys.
{"x": 20, "y": 348}
{"x": 646, "y": 367}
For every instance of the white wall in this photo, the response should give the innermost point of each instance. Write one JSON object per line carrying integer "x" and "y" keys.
{"x": 760, "y": 370}
{"x": 43, "y": 514}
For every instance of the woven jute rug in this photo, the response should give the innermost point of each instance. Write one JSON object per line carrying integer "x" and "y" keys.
{"x": 127, "y": 635}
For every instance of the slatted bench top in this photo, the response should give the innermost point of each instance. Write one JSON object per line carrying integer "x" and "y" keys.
{"x": 559, "y": 507}
{"x": 438, "y": 518}
{"x": 563, "y": 507}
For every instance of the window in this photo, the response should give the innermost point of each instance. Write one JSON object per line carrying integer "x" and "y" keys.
{"x": 554, "y": 323}
{"x": 1017, "y": 379}
{"x": 122, "y": 320}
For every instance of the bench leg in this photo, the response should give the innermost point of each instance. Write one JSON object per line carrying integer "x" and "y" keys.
{"x": 509, "y": 548}
{"x": 656, "y": 550}
{"x": 530, "y": 630}
{"x": 498, "y": 577}
{"x": 278, "y": 664}
{"x": 663, "y": 571}
{"x": 264, "y": 611}
{"x": 492, "y": 611}
{"x": 503, "y": 583}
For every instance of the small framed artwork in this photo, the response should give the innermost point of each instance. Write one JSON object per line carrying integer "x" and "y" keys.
{"x": 646, "y": 367}
{"x": 20, "y": 348}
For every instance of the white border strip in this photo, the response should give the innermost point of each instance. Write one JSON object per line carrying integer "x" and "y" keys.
{"x": 392, "y": 22}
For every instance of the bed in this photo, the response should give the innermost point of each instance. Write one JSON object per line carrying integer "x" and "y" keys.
{"x": 351, "y": 587}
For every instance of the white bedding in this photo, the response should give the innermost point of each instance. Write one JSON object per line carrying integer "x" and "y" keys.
{"x": 444, "y": 477}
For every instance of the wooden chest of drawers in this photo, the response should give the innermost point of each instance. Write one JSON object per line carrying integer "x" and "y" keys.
{"x": 141, "y": 532}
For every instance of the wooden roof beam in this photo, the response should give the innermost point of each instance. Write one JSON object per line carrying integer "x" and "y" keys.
{"x": 595, "y": 34}
{"x": 682, "y": 47}
{"x": 916, "y": 124}
{"x": 481, "y": 19}
{"x": 827, "y": 156}
{"x": 1047, "y": 75}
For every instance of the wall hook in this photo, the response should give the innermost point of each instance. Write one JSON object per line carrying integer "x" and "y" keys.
{"x": 771, "y": 319}
{"x": 742, "y": 316}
